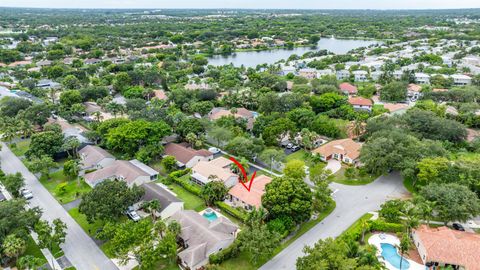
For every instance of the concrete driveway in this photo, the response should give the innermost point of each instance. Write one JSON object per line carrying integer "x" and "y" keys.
{"x": 352, "y": 203}
{"x": 333, "y": 165}
{"x": 79, "y": 248}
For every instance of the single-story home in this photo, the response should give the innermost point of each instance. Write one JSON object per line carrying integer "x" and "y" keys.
{"x": 219, "y": 112}
{"x": 200, "y": 237}
{"x": 219, "y": 168}
{"x": 186, "y": 156}
{"x": 169, "y": 202}
{"x": 348, "y": 89}
{"x": 443, "y": 246}
{"x": 133, "y": 172}
{"x": 360, "y": 103}
{"x": 345, "y": 150}
{"x": 238, "y": 196}
{"x": 414, "y": 91}
{"x": 94, "y": 157}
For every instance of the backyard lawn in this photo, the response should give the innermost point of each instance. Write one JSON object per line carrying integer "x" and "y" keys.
{"x": 20, "y": 148}
{"x": 191, "y": 201}
{"x": 64, "y": 189}
{"x": 356, "y": 180}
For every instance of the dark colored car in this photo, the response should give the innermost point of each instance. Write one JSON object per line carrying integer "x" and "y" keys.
{"x": 458, "y": 227}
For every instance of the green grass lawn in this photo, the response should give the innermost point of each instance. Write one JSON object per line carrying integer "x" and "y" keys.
{"x": 34, "y": 250}
{"x": 163, "y": 264}
{"x": 408, "y": 183}
{"x": 20, "y": 148}
{"x": 300, "y": 155}
{"x": 191, "y": 201}
{"x": 339, "y": 177}
{"x": 70, "y": 192}
{"x": 81, "y": 219}
{"x": 242, "y": 261}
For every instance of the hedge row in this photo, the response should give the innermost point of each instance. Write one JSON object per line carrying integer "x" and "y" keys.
{"x": 176, "y": 177}
{"x": 380, "y": 225}
{"x": 232, "y": 211}
{"x": 225, "y": 254}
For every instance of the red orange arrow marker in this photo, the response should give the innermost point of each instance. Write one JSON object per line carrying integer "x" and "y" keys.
{"x": 244, "y": 174}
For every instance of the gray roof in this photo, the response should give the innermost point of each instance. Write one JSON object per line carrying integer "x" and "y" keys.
{"x": 148, "y": 170}
{"x": 202, "y": 236}
{"x": 91, "y": 155}
{"x": 154, "y": 191}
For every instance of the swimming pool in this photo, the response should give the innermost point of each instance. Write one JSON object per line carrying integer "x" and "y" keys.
{"x": 210, "y": 214}
{"x": 390, "y": 254}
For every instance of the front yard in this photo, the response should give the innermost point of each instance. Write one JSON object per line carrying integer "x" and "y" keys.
{"x": 20, "y": 148}
{"x": 63, "y": 188}
{"x": 301, "y": 155}
{"x": 356, "y": 177}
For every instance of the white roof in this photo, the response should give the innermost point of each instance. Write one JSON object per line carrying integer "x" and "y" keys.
{"x": 143, "y": 167}
{"x": 461, "y": 77}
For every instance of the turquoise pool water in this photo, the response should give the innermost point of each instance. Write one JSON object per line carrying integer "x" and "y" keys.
{"x": 389, "y": 252}
{"x": 211, "y": 216}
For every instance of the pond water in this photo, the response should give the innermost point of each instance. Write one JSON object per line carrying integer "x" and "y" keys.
{"x": 254, "y": 58}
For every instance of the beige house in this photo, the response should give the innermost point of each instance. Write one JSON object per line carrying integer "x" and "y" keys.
{"x": 345, "y": 150}
{"x": 444, "y": 246}
{"x": 219, "y": 112}
{"x": 94, "y": 157}
{"x": 133, "y": 172}
{"x": 200, "y": 237}
{"x": 186, "y": 156}
{"x": 219, "y": 168}
{"x": 238, "y": 196}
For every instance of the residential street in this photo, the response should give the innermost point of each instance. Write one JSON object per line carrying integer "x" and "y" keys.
{"x": 352, "y": 203}
{"x": 79, "y": 248}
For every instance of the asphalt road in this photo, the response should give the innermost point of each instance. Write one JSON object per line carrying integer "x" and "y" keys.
{"x": 352, "y": 203}
{"x": 79, "y": 248}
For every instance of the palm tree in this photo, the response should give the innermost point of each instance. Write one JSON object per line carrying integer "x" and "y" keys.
{"x": 152, "y": 207}
{"x": 9, "y": 133}
{"x": 97, "y": 115}
{"x": 160, "y": 227}
{"x": 358, "y": 127}
{"x": 26, "y": 128}
{"x": 53, "y": 93}
{"x": 405, "y": 245}
{"x": 410, "y": 214}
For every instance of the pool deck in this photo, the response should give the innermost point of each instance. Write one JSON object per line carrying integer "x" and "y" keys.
{"x": 380, "y": 238}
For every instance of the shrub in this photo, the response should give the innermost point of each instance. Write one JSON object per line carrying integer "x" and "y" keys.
{"x": 283, "y": 225}
{"x": 380, "y": 225}
{"x": 231, "y": 252}
{"x": 236, "y": 212}
{"x": 176, "y": 177}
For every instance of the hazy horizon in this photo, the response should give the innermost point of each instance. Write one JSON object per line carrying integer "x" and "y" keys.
{"x": 245, "y": 4}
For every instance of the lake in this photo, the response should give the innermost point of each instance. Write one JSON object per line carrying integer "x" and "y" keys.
{"x": 254, "y": 58}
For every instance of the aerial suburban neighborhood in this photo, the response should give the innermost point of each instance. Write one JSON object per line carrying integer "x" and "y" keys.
{"x": 178, "y": 137}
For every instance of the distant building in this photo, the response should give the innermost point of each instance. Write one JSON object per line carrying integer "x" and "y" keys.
{"x": 461, "y": 80}
{"x": 360, "y": 75}
{"x": 308, "y": 73}
{"x": 343, "y": 75}
{"x": 360, "y": 103}
{"x": 422, "y": 78}
{"x": 348, "y": 89}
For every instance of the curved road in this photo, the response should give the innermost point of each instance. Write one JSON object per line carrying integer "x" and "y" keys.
{"x": 79, "y": 248}
{"x": 352, "y": 203}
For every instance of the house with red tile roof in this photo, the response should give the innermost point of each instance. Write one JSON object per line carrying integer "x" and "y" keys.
{"x": 159, "y": 94}
{"x": 443, "y": 246}
{"x": 360, "y": 103}
{"x": 348, "y": 89}
{"x": 186, "y": 156}
{"x": 239, "y": 196}
{"x": 345, "y": 150}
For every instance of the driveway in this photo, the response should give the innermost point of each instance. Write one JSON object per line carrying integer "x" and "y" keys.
{"x": 79, "y": 248}
{"x": 333, "y": 165}
{"x": 352, "y": 203}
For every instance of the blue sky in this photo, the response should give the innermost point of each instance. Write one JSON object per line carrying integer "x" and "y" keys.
{"x": 279, "y": 4}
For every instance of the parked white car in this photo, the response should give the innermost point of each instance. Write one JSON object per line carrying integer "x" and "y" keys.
{"x": 26, "y": 193}
{"x": 132, "y": 214}
{"x": 214, "y": 150}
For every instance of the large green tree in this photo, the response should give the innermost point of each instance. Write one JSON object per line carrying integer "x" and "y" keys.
{"x": 290, "y": 197}
{"x": 109, "y": 200}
